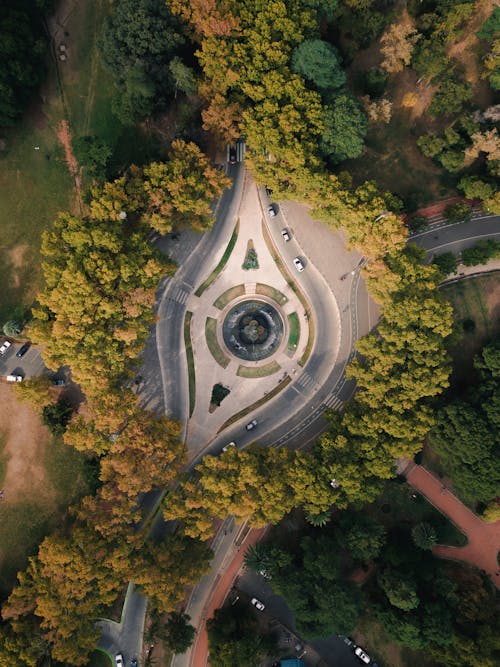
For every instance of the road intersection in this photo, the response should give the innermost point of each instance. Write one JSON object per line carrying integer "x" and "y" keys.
{"x": 341, "y": 308}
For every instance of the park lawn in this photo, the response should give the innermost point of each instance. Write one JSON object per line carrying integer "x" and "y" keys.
{"x": 99, "y": 659}
{"x": 42, "y": 477}
{"x": 477, "y": 300}
{"x": 400, "y": 505}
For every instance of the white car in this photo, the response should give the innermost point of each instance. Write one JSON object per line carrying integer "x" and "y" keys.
{"x": 251, "y": 425}
{"x": 14, "y": 378}
{"x": 5, "y": 346}
{"x": 362, "y": 655}
{"x": 258, "y": 604}
{"x": 230, "y": 444}
{"x": 285, "y": 235}
{"x": 298, "y": 264}
{"x": 271, "y": 209}
{"x": 119, "y": 660}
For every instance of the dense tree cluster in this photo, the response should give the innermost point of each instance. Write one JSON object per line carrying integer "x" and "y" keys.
{"x": 466, "y": 433}
{"x": 139, "y": 41}
{"x": 421, "y": 602}
{"x": 23, "y": 47}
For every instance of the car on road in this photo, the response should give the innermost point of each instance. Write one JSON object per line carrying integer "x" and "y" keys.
{"x": 258, "y": 604}
{"x": 347, "y": 640}
{"x": 23, "y": 349}
{"x": 251, "y": 425}
{"x": 5, "y": 346}
{"x": 271, "y": 209}
{"x": 119, "y": 660}
{"x": 298, "y": 264}
{"x": 232, "y": 155}
{"x": 358, "y": 651}
{"x": 133, "y": 662}
{"x": 285, "y": 234}
{"x": 229, "y": 444}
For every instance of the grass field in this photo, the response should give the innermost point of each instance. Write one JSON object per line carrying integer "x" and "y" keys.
{"x": 213, "y": 345}
{"x": 258, "y": 371}
{"x": 271, "y": 293}
{"x": 294, "y": 331}
{"x": 99, "y": 659}
{"x": 190, "y": 361}
{"x": 228, "y": 296}
{"x": 399, "y": 505}
{"x": 223, "y": 261}
{"x": 476, "y": 300}
{"x": 40, "y": 476}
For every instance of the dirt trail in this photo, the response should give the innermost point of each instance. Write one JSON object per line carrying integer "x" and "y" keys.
{"x": 64, "y": 136}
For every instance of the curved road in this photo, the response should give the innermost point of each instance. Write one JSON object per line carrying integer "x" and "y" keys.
{"x": 325, "y": 263}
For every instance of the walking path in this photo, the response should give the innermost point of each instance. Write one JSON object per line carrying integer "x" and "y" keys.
{"x": 222, "y": 586}
{"x": 484, "y": 538}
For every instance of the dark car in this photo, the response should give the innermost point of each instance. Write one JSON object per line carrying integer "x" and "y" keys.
{"x": 23, "y": 349}
{"x": 133, "y": 663}
{"x": 232, "y": 155}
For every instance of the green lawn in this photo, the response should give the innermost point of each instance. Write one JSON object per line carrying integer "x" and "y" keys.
{"x": 223, "y": 261}
{"x": 294, "y": 331}
{"x": 271, "y": 293}
{"x": 228, "y": 296}
{"x": 258, "y": 371}
{"x": 400, "y": 505}
{"x": 99, "y": 659}
{"x": 476, "y": 300}
{"x": 25, "y": 523}
{"x": 213, "y": 345}
{"x": 190, "y": 361}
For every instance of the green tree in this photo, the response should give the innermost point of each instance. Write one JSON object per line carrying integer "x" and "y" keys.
{"x": 460, "y": 212}
{"x": 36, "y": 391}
{"x": 180, "y": 191}
{"x": 345, "y": 129}
{"x": 23, "y": 49}
{"x": 446, "y": 262}
{"x": 93, "y": 154}
{"x": 424, "y": 535}
{"x": 361, "y": 536}
{"x": 12, "y": 328}
{"x": 319, "y": 62}
{"x": 138, "y": 41}
{"x": 56, "y": 416}
{"x": 235, "y": 640}
{"x": 450, "y": 97}
{"x": 183, "y": 76}
{"x": 481, "y": 252}
{"x": 399, "y": 588}
{"x": 179, "y": 633}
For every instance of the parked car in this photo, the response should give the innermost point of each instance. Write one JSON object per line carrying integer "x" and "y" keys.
{"x": 119, "y": 660}
{"x": 271, "y": 209}
{"x": 58, "y": 382}
{"x": 298, "y": 264}
{"x": 362, "y": 655}
{"x": 347, "y": 640}
{"x": 232, "y": 155}
{"x": 23, "y": 349}
{"x": 251, "y": 425}
{"x": 258, "y": 604}
{"x": 14, "y": 378}
{"x": 229, "y": 444}
{"x": 133, "y": 662}
{"x": 5, "y": 346}
{"x": 285, "y": 235}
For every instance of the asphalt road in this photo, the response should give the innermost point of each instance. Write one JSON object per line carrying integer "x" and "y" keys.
{"x": 299, "y": 408}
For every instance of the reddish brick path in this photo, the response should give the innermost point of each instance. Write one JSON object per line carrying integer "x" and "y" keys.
{"x": 484, "y": 538}
{"x": 199, "y": 653}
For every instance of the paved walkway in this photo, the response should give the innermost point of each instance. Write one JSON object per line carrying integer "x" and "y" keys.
{"x": 224, "y": 582}
{"x": 484, "y": 538}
